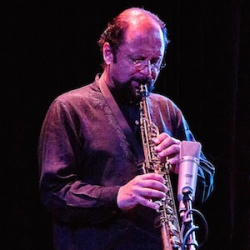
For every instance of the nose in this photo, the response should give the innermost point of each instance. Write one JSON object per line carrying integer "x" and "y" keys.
{"x": 146, "y": 68}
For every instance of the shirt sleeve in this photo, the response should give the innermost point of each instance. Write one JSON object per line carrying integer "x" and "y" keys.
{"x": 62, "y": 192}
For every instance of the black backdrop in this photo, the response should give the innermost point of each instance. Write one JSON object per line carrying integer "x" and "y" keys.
{"x": 50, "y": 47}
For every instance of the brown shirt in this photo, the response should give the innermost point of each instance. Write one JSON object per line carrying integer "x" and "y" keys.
{"x": 85, "y": 157}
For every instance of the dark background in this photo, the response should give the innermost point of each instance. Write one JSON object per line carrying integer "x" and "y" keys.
{"x": 50, "y": 47}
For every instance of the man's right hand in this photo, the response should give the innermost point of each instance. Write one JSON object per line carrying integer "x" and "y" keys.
{"x": 142, "y": 190}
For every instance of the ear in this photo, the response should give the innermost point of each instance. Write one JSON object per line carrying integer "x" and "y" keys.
{"x": 107, "y": 53}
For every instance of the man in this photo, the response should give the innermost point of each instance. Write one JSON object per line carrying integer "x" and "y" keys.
{"x": 90, "y": 149}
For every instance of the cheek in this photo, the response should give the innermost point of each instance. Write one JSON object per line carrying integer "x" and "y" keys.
{"x": 121, "y": 72}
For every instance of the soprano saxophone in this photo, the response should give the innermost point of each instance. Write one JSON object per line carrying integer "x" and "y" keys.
{"x": 168, "y": 218}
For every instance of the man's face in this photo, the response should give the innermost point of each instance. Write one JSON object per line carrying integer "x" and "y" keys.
{"x": 138, "y": 60}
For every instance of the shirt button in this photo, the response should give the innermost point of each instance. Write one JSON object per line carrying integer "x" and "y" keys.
{"x": 137, "y": 122}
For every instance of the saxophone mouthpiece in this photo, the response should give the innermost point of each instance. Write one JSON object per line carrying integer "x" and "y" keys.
{"x": 144, "y": 90}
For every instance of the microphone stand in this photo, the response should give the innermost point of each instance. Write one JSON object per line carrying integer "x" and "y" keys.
{"x": 189, "y": 239}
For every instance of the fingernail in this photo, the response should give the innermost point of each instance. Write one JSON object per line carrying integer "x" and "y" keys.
{"x": 157, "y": 207}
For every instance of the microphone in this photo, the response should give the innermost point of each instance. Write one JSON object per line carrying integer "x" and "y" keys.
{"x": 188, "y": 169}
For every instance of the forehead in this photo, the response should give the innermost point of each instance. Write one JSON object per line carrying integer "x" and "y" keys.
{"x": 144, "y": 36}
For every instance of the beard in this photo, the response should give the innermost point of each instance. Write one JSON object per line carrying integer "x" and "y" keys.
{"x": 129, "y": 91}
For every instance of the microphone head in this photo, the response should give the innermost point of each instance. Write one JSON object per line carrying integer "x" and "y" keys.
{"x": 190, "y": 148}
{"x": 188, "y": 168}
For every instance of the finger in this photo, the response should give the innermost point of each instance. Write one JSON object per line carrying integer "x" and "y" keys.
{"x": 166, "y": 140}
{"x": 173, "y": 160}
{"x": 167, "y": 143}
{"x": 149, "y": 203}
{"x": 150, "y": 193}
{"x": 175, "y": 168}
{"x": 149, "y": 188}
{"x": 174, "y": 149}
{"x": 151, "y": 176}
{"x": 161, "y": 137}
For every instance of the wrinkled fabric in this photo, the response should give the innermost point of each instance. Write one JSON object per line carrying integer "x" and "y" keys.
{"x": 84, "y": 158}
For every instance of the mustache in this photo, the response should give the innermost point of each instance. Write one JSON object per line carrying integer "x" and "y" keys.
{"x": 145, "y": 81}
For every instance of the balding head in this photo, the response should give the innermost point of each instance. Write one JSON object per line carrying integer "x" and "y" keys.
{"x": 141, "y": 24}
{"x": 134, "y": 18}
{"x": 138, "y": 15}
